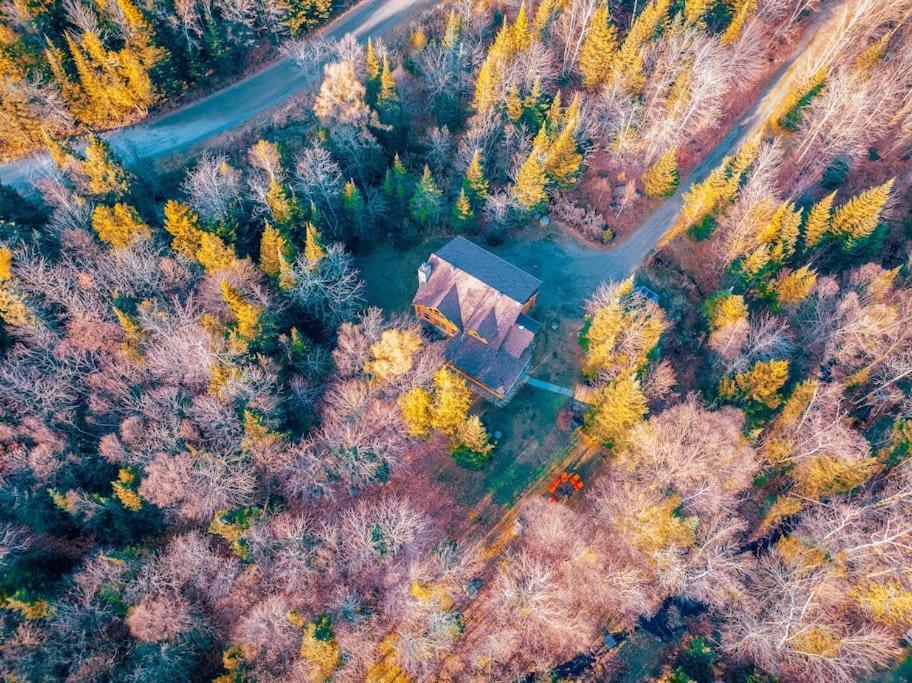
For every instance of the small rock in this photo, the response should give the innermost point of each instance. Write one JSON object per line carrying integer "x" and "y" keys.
{"x": 497, "y": 436}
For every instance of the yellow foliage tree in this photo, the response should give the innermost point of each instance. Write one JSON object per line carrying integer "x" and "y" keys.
{"x": 818, "y": 221}
{"x": 371, "y": 61}
{"x": 119, "y": 225}
{"x": 760, "y": 384}
{"x": 661, "y": 179}
{"x": 415, "y": 406}
{"x": 393, "y": 354}
{"x": 742, "y": 9}
{"x": 562, "y": 163}
{"x": 521, "y": 33}
{"x": 725, "y": 310}
{"x": 274, "y": 250}
{"x": 6, "y": 264}
{"x": 888, "y": 602}
{"x": 183, "y": 226}
{"x": 105, "y": 175}
{"x": 596, "y": 60}
{"x": 473, "y": 436}
{"x": 313, "y": 246}
{"x": 246, "y": 315}
{"x": 125, "y": 489}
{"x": 858, "y": 217}
{"x": 486, "y": 85}
{"x": 451, "y": 402}
{"x": 628, "y": 63}
{"x": 529, "y": 188}
{"x": 618, "y": 406}
{"x": 795, "y": 286}
{"x": 214, "y": 254}
{"x": 827, "y": 475}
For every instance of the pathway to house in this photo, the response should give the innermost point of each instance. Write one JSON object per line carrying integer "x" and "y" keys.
{"x": 581, "y": 393}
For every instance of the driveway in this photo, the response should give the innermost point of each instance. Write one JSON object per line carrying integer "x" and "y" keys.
{"x": 225, "y": 109}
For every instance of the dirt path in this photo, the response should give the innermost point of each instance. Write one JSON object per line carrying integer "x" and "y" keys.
{"x": 225, "y": 109}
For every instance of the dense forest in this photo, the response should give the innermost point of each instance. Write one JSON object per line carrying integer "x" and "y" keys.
{"x": 211, "y": 445}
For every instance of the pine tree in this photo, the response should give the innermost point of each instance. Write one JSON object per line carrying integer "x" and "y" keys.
{"x": 274, "y": 253}
{"x": 661, "y": 180}
{"x": 742, "y": 9}
{"x": 563, "y": 161}
{"x": 758, "y": 385}
{"x": 521, "y": 34}
{"x": 473, "y": 436}
{"x": 183, "y": 226}
{"x": 313, "y": 244}
{"x": 857, "y": 218}
{"x": 451, "y": 402}
{"x": 543, "y": 14}
{"x": 426, "y": 200}
{"x": 725, "y": 310}
{"x": 475, "y": 183}
{"x": 246, "y": 315}
{"x": 415, "y": 407}
{"x": 818, "y": 221}
{"x": 596, "y": 60}
{"x": 619, "y": 406}
{"x": 397, "y": 185}
{"x": 105, "y": 175}
{"x": 515, "y": 105}
{"x": 214, "y": 254}
{"x": 119, "y": 225}
{"x": 371, "y": 61}
{"x": 463, "y": 214}
{"x": 486, "y": 85}
{"x": 529, "y": 188}
{"x": 794, "y": 287}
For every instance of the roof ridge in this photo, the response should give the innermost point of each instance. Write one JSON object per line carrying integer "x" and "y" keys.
{"x": 499, "y": 258}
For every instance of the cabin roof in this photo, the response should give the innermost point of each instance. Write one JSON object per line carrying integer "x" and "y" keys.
{"x": 488, "y": 268}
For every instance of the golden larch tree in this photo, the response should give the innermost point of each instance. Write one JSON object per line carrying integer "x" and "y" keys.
{"x": 661, "y": 179}
{"x": 858, "y": 217}
{"x": 119, "y": 225}
{"x": 451, "y": 402}
{"x": 818, "y": 220}
{"x": 596, "y": 60}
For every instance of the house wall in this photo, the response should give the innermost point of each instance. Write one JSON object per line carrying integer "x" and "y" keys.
{"x": 469, "y": 378}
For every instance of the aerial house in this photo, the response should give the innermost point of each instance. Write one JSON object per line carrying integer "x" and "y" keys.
{"x": 481, "y": 303}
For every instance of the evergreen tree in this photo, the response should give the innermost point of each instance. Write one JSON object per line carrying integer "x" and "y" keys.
{"x": 529, "y": 188}
{"x": 275, "y": 253}
{"x": 857, "y": 218}
{"x": 475, "y": 183}
{"x": 758, "y": 385}
{"x": 313, "y": 245}
{"x": 425, "y": 203}
{"x": 562, "y": 163}
{"x": 105, "y": 176}
{"x": 119, "y": 225}
{"x": 397, "y": 185}
{"x": 596, "y": 60}
{"x": 661, "y": 179}
{"x": 462, "y": 215}
{"x": 818, "y": 221}
{"x": 183, "y": 226}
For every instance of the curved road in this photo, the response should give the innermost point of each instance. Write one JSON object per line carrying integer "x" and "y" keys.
{"x": 225, "y": 109}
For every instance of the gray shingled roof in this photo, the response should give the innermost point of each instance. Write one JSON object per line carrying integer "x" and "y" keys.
{"x": 490, "y": 269}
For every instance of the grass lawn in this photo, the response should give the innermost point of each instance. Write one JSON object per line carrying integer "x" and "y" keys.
{"x": 530, "y": 439}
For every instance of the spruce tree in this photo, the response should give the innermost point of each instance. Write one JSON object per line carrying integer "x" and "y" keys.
{"x": 426, "y": 201}
{"x": 856, "y": 219}
{"x": 661, "y": 180}
{"x": 596, "y": 59}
